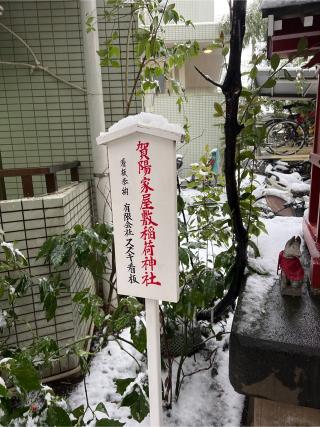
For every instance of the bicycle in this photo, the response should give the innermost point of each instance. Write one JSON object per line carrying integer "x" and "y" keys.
{"x": 288, "y": 135}
{"x": 278, "y": 198}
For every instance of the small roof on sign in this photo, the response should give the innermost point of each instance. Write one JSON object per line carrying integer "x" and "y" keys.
{"x": 284, "y": 8}
{"x": 151, "y": 124}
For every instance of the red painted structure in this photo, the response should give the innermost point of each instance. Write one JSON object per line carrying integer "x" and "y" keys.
{"x": 286, "y": 26}
{"x": 311, "y": 224}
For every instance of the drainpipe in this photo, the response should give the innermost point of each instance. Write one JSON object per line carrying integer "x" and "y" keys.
{"x": 95, "y": 107}
{"x": 96, "y": 118}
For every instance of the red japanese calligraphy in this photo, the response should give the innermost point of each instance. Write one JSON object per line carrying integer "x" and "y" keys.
{"x": 148, "y": 233}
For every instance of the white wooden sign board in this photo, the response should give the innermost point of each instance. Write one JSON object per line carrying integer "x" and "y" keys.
{"x": 142, "y": 170}
{"x": 142, "y": 167}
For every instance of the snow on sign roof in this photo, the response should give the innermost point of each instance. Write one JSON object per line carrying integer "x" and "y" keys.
{"x": 303, "y": 7}
{"x": 149, "y": 123}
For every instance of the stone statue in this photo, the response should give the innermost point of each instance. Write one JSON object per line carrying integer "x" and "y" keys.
{"x": 292, "y": 274}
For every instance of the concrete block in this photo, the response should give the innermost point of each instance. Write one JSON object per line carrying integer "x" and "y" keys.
{"x": 10, "y": 206}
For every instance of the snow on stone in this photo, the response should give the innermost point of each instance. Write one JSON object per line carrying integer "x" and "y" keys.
{"x": 298, "y": 187}
{"x": 280, "y": 230}
{"x": 149, "y": 120}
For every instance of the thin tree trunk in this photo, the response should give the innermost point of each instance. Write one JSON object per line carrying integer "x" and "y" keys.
{"x": 231, "y": 89}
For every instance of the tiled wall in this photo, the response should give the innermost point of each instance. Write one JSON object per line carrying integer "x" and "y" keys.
{"x": 43, "y": 121}
{"x": 29, "y": 222}
{"x": 204, "y": 128}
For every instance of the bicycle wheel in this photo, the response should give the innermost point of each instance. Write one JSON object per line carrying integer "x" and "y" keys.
{"x": 285, "y": 138}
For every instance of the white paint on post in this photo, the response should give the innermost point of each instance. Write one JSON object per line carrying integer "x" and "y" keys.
{"x": 142, "y": 161}
{"x": 154, "y": 362}
{"x": 95, "y": 104}
{"x": 270, "y": 25}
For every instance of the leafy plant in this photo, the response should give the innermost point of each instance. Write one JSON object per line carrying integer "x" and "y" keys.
{"x": 155, "y": 58}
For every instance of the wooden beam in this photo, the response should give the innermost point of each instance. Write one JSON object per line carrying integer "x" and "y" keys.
{"x": 27, "y": 185}
{"x": 74, "y": 172}
{"x": 51, "y": 183}
{"x": 3, "y": 194}
{"x": 42, "y": 170}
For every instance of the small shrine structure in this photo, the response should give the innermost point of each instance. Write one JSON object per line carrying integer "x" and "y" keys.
{"x": 275, "y": 353}
{"x": 290, "y": 22}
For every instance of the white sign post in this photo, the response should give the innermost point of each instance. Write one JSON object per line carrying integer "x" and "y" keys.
{"x": 142, "y": 167}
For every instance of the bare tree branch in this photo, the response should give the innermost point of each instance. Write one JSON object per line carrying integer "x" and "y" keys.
{"x": 208, "y": 78}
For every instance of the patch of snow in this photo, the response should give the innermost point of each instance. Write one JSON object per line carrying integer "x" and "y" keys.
{"x": 189, "y": 195}
{"x": 207, "y": 397}
{"x": 12, "y": 249}
{"x": 3, "y": 315}
{"x": 260, "y": 192}
{"x": 298, "y": 187}
{"x": 109, "y": 364}
{"x": 149, "y": 120}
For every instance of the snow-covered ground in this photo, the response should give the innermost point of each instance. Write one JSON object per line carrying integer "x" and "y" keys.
{"x": 207, "y": 397}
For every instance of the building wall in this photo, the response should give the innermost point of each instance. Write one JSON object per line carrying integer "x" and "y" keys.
{"x": 204, "y": 128}
{"x": 208, "y": 63}
{"x": 201, "y": 95}
{"x": 201, "y": 13}
{"x": 29, "y": 222}
{"x": 43, "y": 121}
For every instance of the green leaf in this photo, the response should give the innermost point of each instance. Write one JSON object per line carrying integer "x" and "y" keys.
{"x": 269, "y": 83}
{"x": 253, "y": 73}
{"x": 275, "y": 61}
{"x": 139, "y": 338}
{"x": 225, "y": 51}
{"x": 255, "y": 248}
{"x": 3, "y": 391}
{"x": 122, "y": 384}
{"x": 180, "y": 203}
{"x": 24, "y": 374}
{"x": 101, "y": 408}
{"x": 49, "y": 291}
{"x": 302, "y": 45}
{"x": 56, "y": 417}
{"x": 138, "y": 405}
{"x": 184, "y": 256}
{"x": 288, "y": 76}
{"x": 218, "y": 109}
{"x": 246, "y": 154}
{"x": 106, "y": 422}
{"x": 78, "y": 412}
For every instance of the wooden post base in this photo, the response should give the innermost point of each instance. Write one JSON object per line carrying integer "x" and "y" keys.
{"x": 270, "y": 413}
